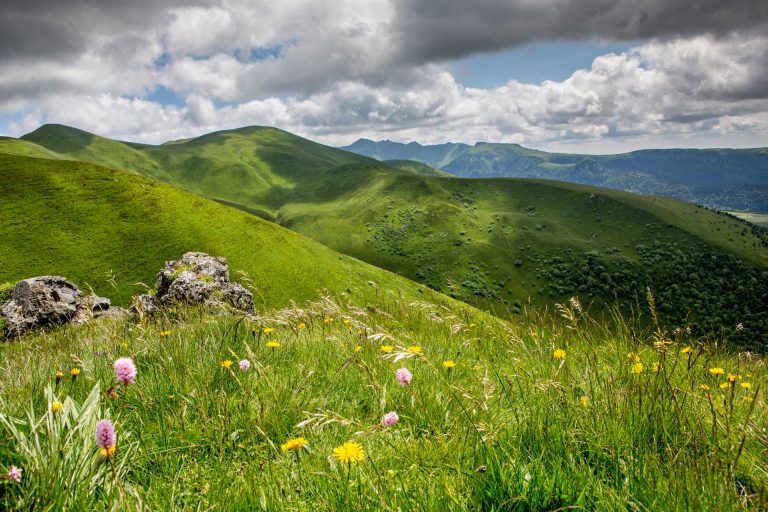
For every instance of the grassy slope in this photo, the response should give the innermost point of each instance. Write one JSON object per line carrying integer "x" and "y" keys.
{"x": 416, "y": 168}
{"x": 484, "y": 241}
{"x": 509, "y": 428}
{"x": 81, "y": 220}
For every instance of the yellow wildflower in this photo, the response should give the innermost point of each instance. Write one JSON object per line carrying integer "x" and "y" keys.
{"x": 449, "y": 364}
{"x": 328, "y": 320}
{"x": 747, "y": 398}
{"x": 268, "y": 330}
{"x": 59, "y": 375}
{"x": 633, "y": 357}
{"x": 725, "y": 385}
{"x": 358, "y": 348}
{"x": 584, "y": 401}
{"x": 685, "y": 350}
{"x": 732, "y": 377}
{"x": 716, "y": 371}
{"x": 704, "y": 387}
{"x": 746, "y": 385}
{"x": 387, "y": 348}
{"x": 559, "y": 354}
{"x": 657, "y": 367}
{"x": 415, "y": 349}
{"x": 273, "y": 344}
{"x": 74, "y": 372}
{"x": 302, "y": 325}
{"x": 123, "y": 345}
{"x": 294, "y": 444}
{"x": 165, "y": 334}
{"x": 56, "y": 407}
{"x": 226, "y": 364}
{"x": 108, "y": 452}
{"x": 349, "y": 452}
{"x": 638, "y": 368}
{"x": 346, "y": 321}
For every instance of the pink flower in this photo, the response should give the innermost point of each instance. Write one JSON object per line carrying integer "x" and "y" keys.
{"x": 14, "y": 474}
{"x": 245, "y": 365}
{"x": 125, "y": 370}
{"x": 105, "y": 434}
{"x": 403, "y": 376}
{"x": 390, "y": 419}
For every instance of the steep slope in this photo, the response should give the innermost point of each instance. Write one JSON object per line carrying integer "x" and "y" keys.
{"x": 734, "y": 179}
{"x": 415, "y": 167}
{"x": 82, "y": 221}
{"x": 496, "y": 243}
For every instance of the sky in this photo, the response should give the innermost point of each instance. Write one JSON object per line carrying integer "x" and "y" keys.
{"x": 593, "y": 76}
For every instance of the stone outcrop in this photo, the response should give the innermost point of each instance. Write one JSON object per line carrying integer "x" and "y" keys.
{"x": 48, "y": 300}
{"x": 199, "y": 278}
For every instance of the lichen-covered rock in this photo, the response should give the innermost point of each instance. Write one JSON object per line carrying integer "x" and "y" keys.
{"x": 38, "y": 302}
{"x": 144, "y": 305}
{"x": 200, "y": 278}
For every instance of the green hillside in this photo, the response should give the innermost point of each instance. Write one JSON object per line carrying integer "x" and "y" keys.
{"x": 415, "y": 167}
{"x": 495, "y": 243}
{"x": 734, "y": 179}
{"x": 81, "y": 221}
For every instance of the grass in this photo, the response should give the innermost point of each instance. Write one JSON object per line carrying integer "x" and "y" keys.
{"x": 759, "y": 219}
{"x": 510, "y": 427}
{"x": 109, "y": 229}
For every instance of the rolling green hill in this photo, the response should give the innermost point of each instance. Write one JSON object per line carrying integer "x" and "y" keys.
{"x": 82, "y": 221}
{"x": 416, "y": 168}
{"x": 495, "y": 243}
{"x": 732, "y": 179}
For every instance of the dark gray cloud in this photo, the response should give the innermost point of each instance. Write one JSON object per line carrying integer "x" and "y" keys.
{"x": 449, "y": 29}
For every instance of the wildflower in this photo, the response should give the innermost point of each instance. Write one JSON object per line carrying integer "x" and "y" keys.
{"x": 74, "y": 372}
{"x": 105, "y": 438}
{"x": 449, "y": 364}
{"x": 725, "y": 385}
{"x": 294, "y": 444}
{"x": 746, "y": 385}
{"x": 559, "y": 354}
{"x": 739, "y": 326}
{"x": 390, "y": 419}
{"x": 346, "y": 321}
{"x": 245, "y": 365}
{"x": 716, "y": 371}
{"x": 302, "y": 325}
{"x": 472, "y": 326}
{"x": 584, "y": 401}
{"x": 358, "y": 348}
{"x": 662, "y": 343}
{"x": 125, "y": 370}
{"x": 14, "y": 474}
{"x": 387, "y": 348}
{"x": 685, "y": 350}
{"x": 58, "y": 376}
{"x": 657, "y": 366}
{"x": 415, "y": 349}
{"x": 704, "y": 387}
{"x": 273, "y": 344}
{"x": 349, "y": 452}
{"x": 114, "y": 334}
{"x": 56, "y": 407}
{"x": 403, "y": 376}
{"x": 327, "y": 321}
{"x": 165, "y": 334}
{"x": 268, "y": 330}
{"x": 123, "y": 345}
{"x": 748, "y": 399}
{"x": 633, "y": 357}
{"x": 638, "y": 368}
{"x": 226, "y": 364}
{"x": 733, "y": 378}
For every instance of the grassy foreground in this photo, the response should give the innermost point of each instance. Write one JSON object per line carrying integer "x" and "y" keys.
{"x": 556, "y": 413}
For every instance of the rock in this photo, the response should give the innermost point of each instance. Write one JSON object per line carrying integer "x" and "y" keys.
{"x": 200, "y": 278}
{"x": 113, "y": 313}
{"x": 144, "y": 305}
{"x": 38, "y": 302}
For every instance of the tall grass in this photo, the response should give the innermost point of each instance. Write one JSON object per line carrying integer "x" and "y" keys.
{"x": 510, "y": 427}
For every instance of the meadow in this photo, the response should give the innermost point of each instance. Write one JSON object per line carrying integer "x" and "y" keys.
{"x": 229, "y": 412}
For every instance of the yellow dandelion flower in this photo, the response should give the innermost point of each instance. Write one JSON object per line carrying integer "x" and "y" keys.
{"x": 268, "y": 330}
{"x": 108, "y": 452}
{"x": 56, "y": 407}
{"x": 685, "y": 350}
{"x": 273, "y": 344}
{"x": 449, "y": 364}
{"x": 165, "y": 334}
{"x": 328, "y": 320}
{"x": 725, "y": 385}
{"x": 716, "y": 371}
{"x": 114, "y": 334}
{"x": 584, "y": 401}
{"x": 704, "y": 387}
{"x": 472, "y": 325}
{"x": 746, "y": 385}
{"x": 638, "y": 368}
{"x": 559, "y": 354}
{"x": 294, "y": 444}
{"x": 59, "y": 375}
{"x": 415, "y": 349}
{"x": 74, "y": 372}
{"x": 747, "y": 398}
{"x": 302, "y": 325}
{"x": 633, "y": 357}
{"x": 657, "y": 367}
{"x": 387, "y": 348}
{"x": 358, "y": 348}
{"x": 226, "y": 364}
{"x": 732, "y": 378}
{"x": 349, "y": 452}
{"x": 346, "y": 321}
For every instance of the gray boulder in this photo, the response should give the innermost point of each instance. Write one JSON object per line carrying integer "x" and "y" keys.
{"x": 40, "y": 301}
{"x": 200, "y": 278}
